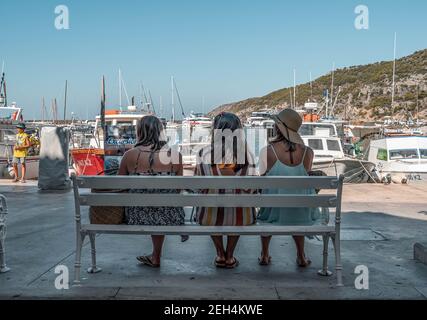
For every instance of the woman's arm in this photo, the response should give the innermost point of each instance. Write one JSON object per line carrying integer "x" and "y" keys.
{"x": 308, "y": 160}
{"x": 123, "y": 170}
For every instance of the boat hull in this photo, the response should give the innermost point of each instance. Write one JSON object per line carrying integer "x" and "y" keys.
{"x": 353, "y": 170}
{"x": 88, "y": 162}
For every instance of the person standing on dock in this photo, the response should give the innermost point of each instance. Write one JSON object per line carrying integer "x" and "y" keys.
{"x": 20, "y": 152}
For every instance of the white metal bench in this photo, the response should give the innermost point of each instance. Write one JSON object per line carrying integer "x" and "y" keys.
{"x": 3, "y": 213}
{"x": 86, "y": 198}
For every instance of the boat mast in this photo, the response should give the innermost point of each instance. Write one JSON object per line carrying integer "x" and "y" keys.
{"x": 179, "y": 100}
{"x": 3, "y": 94}
{"x": 295, "y": 89}
{"x": 394, "y": 74}
{"x": 65, "y": 100}
{"x": 332, "y": 90}
{"x": 43, "y": 109}
{"x": 120, "y": 89}
{"x": 311, "y": 87}
{"x": 173, "y": 102}
{"x": 151, "y": 102}
{"x": 103, "y": 103}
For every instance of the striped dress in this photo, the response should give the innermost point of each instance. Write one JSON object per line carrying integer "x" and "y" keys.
{"x": 224, "y": 216}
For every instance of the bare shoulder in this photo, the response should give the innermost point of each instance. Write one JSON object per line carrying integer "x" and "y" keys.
{"x": 309, "y": 152}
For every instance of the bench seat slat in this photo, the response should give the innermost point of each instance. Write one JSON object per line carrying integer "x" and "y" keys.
{"x": 196, "y": 230}
{"x": 211, "y": 200}
{"x": 137, "y": 182}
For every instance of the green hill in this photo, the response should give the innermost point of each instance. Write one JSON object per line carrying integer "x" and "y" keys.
{"x": 365, "y": 91}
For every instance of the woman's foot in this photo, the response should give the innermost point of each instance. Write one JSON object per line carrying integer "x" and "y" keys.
{"x": 149, "y": 261}
{"x": 303, "y": 261}
{"x": 15, "y": 180}
{"x": 220, "y": 262}
{"x": 264, "y": 260}
{"x": 23, "y": 181}
{"x": 232, "y": 264}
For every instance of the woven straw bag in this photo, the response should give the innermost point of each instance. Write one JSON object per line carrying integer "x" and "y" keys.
{"x": 106, "y": 215}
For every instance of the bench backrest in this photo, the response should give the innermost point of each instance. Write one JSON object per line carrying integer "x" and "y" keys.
{"x": 114, "y": 183}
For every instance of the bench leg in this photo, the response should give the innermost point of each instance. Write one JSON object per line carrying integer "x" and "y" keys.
{"x": 93, "y": 268}
{"x": 338, "y": 265}
{"x": 3, "y": 267}
{"x": 325, "y": 272}
{"x": 79, "y": 245}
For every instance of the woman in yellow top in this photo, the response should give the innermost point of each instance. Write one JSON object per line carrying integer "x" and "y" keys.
{"x": 20, "y": 152}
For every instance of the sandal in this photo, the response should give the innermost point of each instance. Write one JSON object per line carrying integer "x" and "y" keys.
{"x": 220, "y": 263}
{"x": 233, "y": 265}
{"x": 302, "y": 264}
{"x": 146, "y": 260}
{"x": 263, "y": 262}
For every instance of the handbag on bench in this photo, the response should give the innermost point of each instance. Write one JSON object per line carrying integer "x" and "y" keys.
{"x": 107, "y": 215}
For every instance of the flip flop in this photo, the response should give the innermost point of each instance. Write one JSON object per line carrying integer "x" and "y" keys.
{"x": 220, "y": 265}
{"x": 262, "y": 261}
{"x": 234, "y": 265}
{"x": 303, "y": 265}
{"x": 146, "y": 260}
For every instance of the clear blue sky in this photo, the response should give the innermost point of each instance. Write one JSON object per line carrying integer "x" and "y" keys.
{"x": 224, "y": 50}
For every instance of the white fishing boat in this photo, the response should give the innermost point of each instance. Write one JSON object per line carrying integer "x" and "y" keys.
{"x": 197, "y": 120}
{"x": 400, "y": 157}
{"x": 261, "y": 119}
{"x": 329, "y": 156}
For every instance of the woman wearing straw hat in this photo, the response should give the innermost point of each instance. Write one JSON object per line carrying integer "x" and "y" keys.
{"x": 286, "y": 155}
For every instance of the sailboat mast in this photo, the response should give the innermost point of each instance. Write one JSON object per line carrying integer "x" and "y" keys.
{"x": 295, "y": 89}
{"x": 65, "y": 99}
{"x": 120, "y": 89}
{"x": 332, "y": 89}
{"x": 173, "y": 102}
{"x": 311, "y": 87}
{"x": 43, "y": 109}
{"x": 394, "y": 73}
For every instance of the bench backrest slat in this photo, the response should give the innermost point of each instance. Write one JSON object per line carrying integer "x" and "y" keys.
{"x": 211, "y": 200}
{"x": 137, "y": 182}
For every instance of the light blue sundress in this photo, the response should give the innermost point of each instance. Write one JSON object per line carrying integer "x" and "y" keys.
{"x": 289, "y": 216}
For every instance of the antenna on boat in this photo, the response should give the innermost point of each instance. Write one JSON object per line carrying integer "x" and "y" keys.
{"x": 65, "y": 99}
{"x": 394, "y": 73}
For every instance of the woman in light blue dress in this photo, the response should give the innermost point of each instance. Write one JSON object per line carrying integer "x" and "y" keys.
{"x": 286, "y": 155}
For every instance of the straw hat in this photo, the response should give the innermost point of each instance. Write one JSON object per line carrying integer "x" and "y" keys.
{"x": 289, "y": 122}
